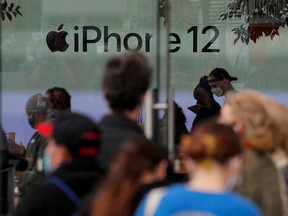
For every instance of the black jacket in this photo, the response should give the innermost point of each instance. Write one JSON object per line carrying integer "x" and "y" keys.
{"x": 115, "y": 129}
{"x": 49, "y": 200}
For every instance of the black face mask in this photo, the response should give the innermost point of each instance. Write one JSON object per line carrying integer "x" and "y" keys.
{"x": 32, "y": 120}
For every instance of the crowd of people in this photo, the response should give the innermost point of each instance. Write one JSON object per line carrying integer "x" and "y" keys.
{"x": 235, "y": 156}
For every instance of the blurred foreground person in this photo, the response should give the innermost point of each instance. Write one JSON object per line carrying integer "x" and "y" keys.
{"x": 139, "y": 164}
{"x": 73, "y": 143}
{"x": 259, "y": 123}
{"x": 212, "y": 156}
{"x": 125, "y": 82}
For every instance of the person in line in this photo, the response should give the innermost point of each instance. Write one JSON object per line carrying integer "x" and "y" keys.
{"x": 138, "y": 166}
{"x": 73, "y": 144}
{"x": 125, "y": 81}
{"x": 206, "y": 106}
{"x": 259, "y": 123}
{"x": 180, "y": 128}
{"x": 37, "y": 107}
{"x": 212, "y": 156}
{"x": 220, "y": 82}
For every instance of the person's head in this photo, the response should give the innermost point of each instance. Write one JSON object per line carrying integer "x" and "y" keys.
{"x": 220, "y": 81}
{"x": 60, "y": 101}
{"x": 138, "y": 162}
{"x": 36, "y": 108}
{"x": 72, "y": 137}
{"x": 202, "y": 93}
{"x": 252, "y": 116}
{"x": 59, "y": 98}
{"x": 212, "y": 144}
{"x": 126, "y": 80}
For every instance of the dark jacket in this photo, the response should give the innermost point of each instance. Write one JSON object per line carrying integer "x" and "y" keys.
{"x": 35, "y": 152}
{"x": 49, "y": 200}
{"x": 205, "y": 113}
{"x": 115, "y": 129}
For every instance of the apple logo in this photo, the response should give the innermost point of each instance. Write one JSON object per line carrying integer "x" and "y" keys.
{"x": 56, "y": 41}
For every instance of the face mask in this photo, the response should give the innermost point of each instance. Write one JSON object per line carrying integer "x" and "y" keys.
{"x": 32, "y": 120}
{"x": 47, "y": 164}
{"x": 217, "y": 91}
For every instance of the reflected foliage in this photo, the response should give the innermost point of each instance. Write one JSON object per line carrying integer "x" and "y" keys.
{"x": 163, "y": 8}
{"x": 7, "y": 11}
{"x": 260, "y": 18}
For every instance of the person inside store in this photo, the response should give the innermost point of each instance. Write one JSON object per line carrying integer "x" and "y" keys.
{"x": 60, "y": 101}
{"x": 37, "y": 107}
{"x": 73, "y": 144}
{"x": 220, "y": 82}
{"x": 206, "y": 106}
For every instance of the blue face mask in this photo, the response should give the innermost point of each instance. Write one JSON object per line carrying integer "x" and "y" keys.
{"x": 46, "y": 164}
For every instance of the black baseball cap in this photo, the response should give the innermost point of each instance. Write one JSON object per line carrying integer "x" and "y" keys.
{"x": 220, "y": 74}
{"x": 77, "y": 132}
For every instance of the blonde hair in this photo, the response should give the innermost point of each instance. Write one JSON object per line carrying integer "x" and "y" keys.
{"x": 264, "y": 120}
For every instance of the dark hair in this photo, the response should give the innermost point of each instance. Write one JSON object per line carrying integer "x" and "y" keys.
{"x": 135, "y": 157}
{"x": 126, "y": 78}
{"x": 220, "y": 74}
{"x": 212, "y": 140}
{"x": 203, "y": 84}
{"x": 59, "y": 98}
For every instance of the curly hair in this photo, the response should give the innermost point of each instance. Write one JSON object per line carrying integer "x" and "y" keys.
{"x": 261, "y": 117}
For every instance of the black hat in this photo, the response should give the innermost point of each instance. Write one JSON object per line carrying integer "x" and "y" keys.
{"x": 78, "y": 133}
{"x": 220, "y": 74}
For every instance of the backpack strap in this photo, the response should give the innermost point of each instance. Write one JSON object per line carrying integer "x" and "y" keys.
{"x": 66, "y": 189}
{"x": 153, "y": 200}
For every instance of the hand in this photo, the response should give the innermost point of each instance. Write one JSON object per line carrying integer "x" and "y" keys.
{"x": 16, "y": 149}
{"x": 196, "y": 108}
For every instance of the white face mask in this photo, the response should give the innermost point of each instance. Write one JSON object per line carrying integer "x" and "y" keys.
{"x": 217, "y": 91}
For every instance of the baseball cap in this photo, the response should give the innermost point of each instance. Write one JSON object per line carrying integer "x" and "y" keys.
{"x": 220, "y": 74}
{"x": 77, "y": 132}
{"x": 37, "y": 103}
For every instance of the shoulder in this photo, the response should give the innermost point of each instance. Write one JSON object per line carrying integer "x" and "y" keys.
{"x": 153, "y": 199}
{"x": 257, "y": 160}
{"x": 242, "y": 206}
